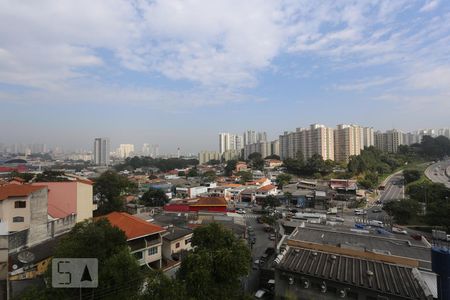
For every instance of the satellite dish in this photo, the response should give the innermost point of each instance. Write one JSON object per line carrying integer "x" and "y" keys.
{"x": 25, "y": 257}
{"x": 14, "y": 267}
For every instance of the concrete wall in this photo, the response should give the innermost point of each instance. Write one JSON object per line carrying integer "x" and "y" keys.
{"x": 8, "y": 212}
{"x": 84, "y": 204}
{"x": 38, "y": 217}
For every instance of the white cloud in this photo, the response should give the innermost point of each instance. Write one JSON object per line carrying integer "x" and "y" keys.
{"x": 430, "y": 5}
{"x": 219, "y": 46}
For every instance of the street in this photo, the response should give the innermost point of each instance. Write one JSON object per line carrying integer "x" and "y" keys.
{"x": 439, "y": 172}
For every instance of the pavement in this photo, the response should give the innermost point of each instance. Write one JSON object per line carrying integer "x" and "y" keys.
{"x": 439, "y": 172}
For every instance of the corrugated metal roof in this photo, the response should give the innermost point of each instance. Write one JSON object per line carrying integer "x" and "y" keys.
{"x": 378, "y": 276}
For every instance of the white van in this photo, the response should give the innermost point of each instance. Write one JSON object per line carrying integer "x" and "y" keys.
{"x": 376, "y": 223}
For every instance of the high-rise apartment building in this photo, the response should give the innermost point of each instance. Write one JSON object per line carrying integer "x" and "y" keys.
{"x": 239, "y": 142}
{"x": 226, "y": 142}
{"x": 347, "y": 142}
{"x": 317, "y": 139}
{"x": 229, "y": 141}
{"x": 367, "y": 137}
{"x": 389, "y": 141}
{"x": 146, "y": 149}
{"x": 206, "y": 156}
{"x": 101, "y": 151}
{"x": 249, "y": 137}
{"x": 125, "y": 150}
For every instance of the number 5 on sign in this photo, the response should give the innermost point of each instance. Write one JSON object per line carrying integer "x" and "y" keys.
{"x": 75, "y": 273}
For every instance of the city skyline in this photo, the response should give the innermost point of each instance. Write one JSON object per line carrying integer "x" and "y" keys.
{"x": 162, "y": 77}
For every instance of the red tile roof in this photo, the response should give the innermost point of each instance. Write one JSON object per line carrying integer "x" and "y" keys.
{"x": 267, "y": 187}
{"x": 211, "y": 201}
{"x": 133, "y": 227}
{"x": 18, "y": 190}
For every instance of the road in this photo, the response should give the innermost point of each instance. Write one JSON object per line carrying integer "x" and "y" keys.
{"x": 439, "y": 172}
{"x": 251, "y": 284}
{"x": 394, "y": 189}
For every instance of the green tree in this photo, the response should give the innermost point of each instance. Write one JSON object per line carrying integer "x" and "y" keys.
{"x": 192, "y": 172}
{"x": 181, "y": 174}
{"x": 110, "y": 188}
{"x": 256, "y": 161}
{"x": 51, "y": 176}
{"x": 230, "y": 167}
{"x": 438, "y": 213}
{"x": 209, "y": 176}
{"x": 159, "y": 286}
{"x": 154, "y": 197}
{"x": 213, "y": 162}
{"x": 118, "y": 271}
{"x": 25, "y": 176}
{"x": 245, "y": 176}
{"x": 403, "y": 211}
{"x": 370, "y": 180}
{"x": 411, "y": 175}
{"x": 283, "y": 179}
{"x": 212, "y": 270}
{"x": 271, "y": 201}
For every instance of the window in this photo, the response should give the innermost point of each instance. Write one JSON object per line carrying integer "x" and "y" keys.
{"x": 187, "y": 241}
{"x": 20, "y": 204}
{"x": 18, "y": 219}
{"x": 139, "y": 255}
{"x": 177, "y": 245}
{"x": 153, "y": 251}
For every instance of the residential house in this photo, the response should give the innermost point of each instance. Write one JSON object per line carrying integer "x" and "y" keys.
{"x": 23, "y": 210}
{"x": 264, "y": 191}
{"x": 73, "y": 197}
{"x": 176, "y": 241}
{"x": 144, "y": 239}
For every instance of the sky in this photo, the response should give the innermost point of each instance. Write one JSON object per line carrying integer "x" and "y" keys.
{"x": 176, "y": 73}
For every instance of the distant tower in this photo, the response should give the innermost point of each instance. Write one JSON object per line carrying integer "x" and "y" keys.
{"x": 178, "y": 152}
{"x": 101, "y": 151}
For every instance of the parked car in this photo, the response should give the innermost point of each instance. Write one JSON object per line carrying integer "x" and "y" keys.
{"x": 256, "y": 264}
{"x": 272, "y": 237}
{"x": 399, "y": 230}
{"x": 261, "y": 294}
{"x": 376, "y": 210}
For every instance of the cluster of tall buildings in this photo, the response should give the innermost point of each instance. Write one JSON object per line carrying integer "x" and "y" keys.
{"x": 234, "y": 146}
{"x": 336, "y": 144}
{"x": 26, "y": 149}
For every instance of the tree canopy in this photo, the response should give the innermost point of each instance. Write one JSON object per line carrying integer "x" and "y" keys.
{"x": 312, "y": 166}
{"x": 230, "y": 167}
{"x": 212, "y": 270}
{"x": 160, "y": 163}
{"x": 245, "y": 176}
{"x": 256, "y": 161}
{"x": 283, "y": 179}
{"x": 403, "y": 211}
{"x": 154, "y": 197}
{"x": 119, "y": 274}
{"x": 109, "y": 189}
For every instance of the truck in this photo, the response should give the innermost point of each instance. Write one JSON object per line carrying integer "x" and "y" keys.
{"x": 440, "y": 235}
{"x": 332, "y": 211}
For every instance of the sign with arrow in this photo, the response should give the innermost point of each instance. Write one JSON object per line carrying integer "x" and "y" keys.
{"x": 74, "y": 273}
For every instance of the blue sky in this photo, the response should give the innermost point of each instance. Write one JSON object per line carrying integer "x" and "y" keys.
{"x": 176, "y": 73}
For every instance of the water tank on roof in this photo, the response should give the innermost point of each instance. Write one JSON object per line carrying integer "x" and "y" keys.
{"x": 440, "y": 264}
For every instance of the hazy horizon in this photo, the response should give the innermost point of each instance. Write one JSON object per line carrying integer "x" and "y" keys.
{"x": 177, "y": 73}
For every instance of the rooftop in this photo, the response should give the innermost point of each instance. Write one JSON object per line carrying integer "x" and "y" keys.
{"x": 267, "y": 187}
{"x": 176, "y": 233}
{"x": 133, "y": 227}
{"x": 338, "y": 237}
{"x": 16, "y": 190}
{"x": 210, "y": 201}
{"x": 381, "y": 277}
